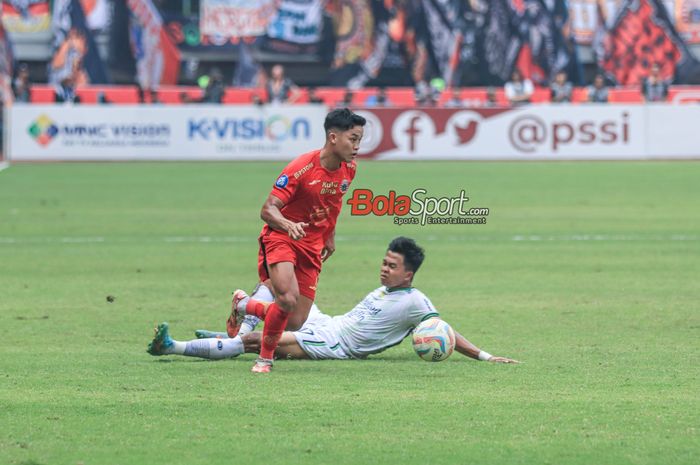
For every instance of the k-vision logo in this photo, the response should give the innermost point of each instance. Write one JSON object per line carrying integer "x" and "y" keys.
{"x": 417, "y": 208}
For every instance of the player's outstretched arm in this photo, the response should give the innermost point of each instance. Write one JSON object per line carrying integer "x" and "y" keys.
{"x": 465, "y": 347}
{"x": 271, "y": 214}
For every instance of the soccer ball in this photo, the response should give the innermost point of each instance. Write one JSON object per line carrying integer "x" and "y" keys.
{"x": 433, "y": 340}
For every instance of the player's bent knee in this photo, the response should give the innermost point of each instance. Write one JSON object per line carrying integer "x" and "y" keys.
{"x": 287, "y": 301}
{"x": 293, "y": 324}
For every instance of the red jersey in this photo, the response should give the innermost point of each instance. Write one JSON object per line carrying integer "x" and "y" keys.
{"x": 312, "y": 195}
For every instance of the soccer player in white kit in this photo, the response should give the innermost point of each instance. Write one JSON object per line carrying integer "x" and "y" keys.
{"x": 381, "y": 320}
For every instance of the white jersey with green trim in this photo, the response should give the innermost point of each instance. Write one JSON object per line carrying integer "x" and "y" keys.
{"x": 381, "y": 320}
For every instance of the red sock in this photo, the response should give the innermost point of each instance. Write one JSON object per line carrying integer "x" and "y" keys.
{"x": 257, "y": 308}
{"x": 275, "y": 322}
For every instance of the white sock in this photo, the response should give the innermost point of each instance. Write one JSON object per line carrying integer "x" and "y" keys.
{"x": 248, "y": 325}
{"x": 213, "y": 349}
{"x": 262, "y": 293}
{"x": 178, "y": 348}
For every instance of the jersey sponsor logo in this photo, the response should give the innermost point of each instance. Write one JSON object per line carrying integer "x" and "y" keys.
{"x": 344, "y": 186}
{"x": 303, "y": 170}
{"x": 314, "y": 182}
{"x": 282, "y": 181}
{"x": 329, "y": 188}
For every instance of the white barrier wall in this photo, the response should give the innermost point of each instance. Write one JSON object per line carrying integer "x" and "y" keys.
{"x": 188, "y": 132}
{"x": 213, "y": 132}
{"x": 536, "y": 132}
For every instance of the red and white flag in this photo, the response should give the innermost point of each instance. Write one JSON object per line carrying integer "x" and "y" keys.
{"x": 157, "y": 57}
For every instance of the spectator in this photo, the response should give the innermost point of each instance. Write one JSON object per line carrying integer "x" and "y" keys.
{"x": 65, "y": 91}
{"x": 561, "y": 89}
{"x": 598, "y": 91}
{"x": 255, "y": 99}
{"x": 21, "y": 84}
{"x": 101, "y": 98}
{"x": 347, "y": 99}
{"x": 654, "y": 88}
{"x": 491, "y": 97}
{"x": 379, "y": 99}
{"x": 147, "y": 95}
{"x": 313, "y": 98}
{"x": 279, "y": 88}
{"x": 213, "y": 87}
{"x": 518, "y": 90}
{"x": 425, "y": 95}
{"x": 455, "y": 100}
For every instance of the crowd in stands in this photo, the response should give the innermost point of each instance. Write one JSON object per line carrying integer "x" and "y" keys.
{"x": 279, "y": 89}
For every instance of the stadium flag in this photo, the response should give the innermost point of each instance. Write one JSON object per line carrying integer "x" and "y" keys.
{"x": 235, "y": 18}
{"x": 25, "y": 15}
{"x": 387, "y": 59}
{"x": 545, "y": 50}
{"x": 528, "y": 35}
{"x": 501, "y": 43}
{"x": 643, "y": 35}
{"x": 353, "y": 31}
{"x": 75, "y": 52}
{"x": 687, "y": 15}
{"x": 6, "y": 67}
{"x": 354, "y": 39}
{"x": 98, "y": 13}
{"x": 443, "y": 39}
{"x": 248, "y": 70}
{"x": 584, "y": 20}
{"x": 157, "y": 57}
{"x": 297, "y": 21}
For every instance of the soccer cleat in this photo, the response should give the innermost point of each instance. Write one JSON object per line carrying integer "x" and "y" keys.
{"x": 233, "y": 324}
{"x": 262, "y": 365}
{"x": 206, "y": 334}
{"x": 161, "y": 341}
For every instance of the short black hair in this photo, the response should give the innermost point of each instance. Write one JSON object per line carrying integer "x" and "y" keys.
{"x": 413, "y": 254}
{"x": 343, "y": 119}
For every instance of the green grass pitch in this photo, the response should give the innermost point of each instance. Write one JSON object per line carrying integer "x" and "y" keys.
{"x": 587, "y": 272}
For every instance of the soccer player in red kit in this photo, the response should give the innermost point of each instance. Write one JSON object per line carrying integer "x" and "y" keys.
{"x": 300, "y": 215}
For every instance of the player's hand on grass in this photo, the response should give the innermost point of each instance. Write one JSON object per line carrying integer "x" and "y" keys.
{"x": 495, "y": 359}
{"x": 296, "y": 230}
{"x": 328, "y": 249}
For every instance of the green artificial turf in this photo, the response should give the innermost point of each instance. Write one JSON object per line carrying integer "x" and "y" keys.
{"x": 587, "y": 272}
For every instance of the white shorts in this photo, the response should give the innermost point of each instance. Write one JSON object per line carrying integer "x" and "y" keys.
{"x": 317, "y": 338}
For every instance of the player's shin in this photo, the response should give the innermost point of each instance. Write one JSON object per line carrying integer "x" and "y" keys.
{"x": 275, "y": 323}
{"x": 214, "y": 349}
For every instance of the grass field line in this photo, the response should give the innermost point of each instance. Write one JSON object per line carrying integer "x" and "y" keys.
{"x": 4, "y": 165}
{"x": 5, "y": 240}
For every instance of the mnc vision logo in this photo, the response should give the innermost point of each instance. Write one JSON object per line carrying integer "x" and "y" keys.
{"x": 43, "y": 130}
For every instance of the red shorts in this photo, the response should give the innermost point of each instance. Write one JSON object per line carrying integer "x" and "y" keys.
{"x": 307, "y": 263}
